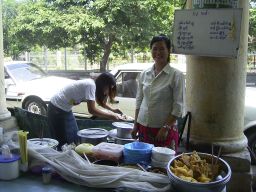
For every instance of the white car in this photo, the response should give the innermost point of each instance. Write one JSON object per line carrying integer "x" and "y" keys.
{"x": 27, "y": 86}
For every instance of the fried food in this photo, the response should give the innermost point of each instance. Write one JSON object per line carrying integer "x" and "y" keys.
{"x": 193, "y": 168}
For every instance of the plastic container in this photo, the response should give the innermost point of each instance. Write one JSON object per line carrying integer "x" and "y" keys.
{"x": 156, "y": 163}
{"x": 108, "y": 151}
{"x": 137, "y": 152}
{"x": 162, "y": 154}
{"x": 217, "y": 185}
{"x": 9, "y": 167}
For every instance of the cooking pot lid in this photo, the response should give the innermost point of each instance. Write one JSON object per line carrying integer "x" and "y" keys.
{"x": 93, "y": 133}
{"x": 123, "y": 125}
{"x": 43, "y": 142}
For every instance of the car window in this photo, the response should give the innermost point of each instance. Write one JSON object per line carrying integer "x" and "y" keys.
{"x": 6, "y": 76}
{"x": 25, "y": 72}
{"x": 127, "y": 83}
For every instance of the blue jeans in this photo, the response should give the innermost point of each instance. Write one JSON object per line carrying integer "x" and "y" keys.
{"x": 63, "y": 125}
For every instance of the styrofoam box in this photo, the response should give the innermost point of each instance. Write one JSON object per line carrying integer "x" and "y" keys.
{"x": 108, "y": 151}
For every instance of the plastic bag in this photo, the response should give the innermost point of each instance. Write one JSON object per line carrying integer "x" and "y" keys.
{"x": 75, "y": 169}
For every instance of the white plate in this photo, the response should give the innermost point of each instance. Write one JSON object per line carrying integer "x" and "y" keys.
{"x": 123, "y": 125}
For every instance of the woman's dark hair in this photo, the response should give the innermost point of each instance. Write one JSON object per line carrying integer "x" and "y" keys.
{"x": 163, "y": 38}
{"x": 105, "y": 81}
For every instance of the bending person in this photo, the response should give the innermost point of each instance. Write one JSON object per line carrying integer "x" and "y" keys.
{"x": 61, "y": 120}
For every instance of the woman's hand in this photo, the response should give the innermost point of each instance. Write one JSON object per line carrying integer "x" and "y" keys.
{"x": 134, "y": 132}
{"x": 115, "y": 116}
{"x": 162, "y": 134}
{"x": 117, "y": 111}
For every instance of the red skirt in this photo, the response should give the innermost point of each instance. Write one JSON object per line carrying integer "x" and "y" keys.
{"x": 148, "y": 135}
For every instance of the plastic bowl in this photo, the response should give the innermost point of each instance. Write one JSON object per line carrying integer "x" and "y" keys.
{"x": 215, "y": 186}
{"x": 162, "y": 154}
{"x": 156, "y": 163}
{"x": 137, "y": 152}
{"x": 138, "y": 147}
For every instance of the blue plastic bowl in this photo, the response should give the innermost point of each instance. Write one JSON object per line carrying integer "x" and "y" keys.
{"x": 138, "y": 147}
{"x": 137, "y": 152}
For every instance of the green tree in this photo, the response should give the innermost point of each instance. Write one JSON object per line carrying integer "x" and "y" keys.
{"x": 97, "y": 25}
{"x": 252, "y": 29}
{"x": 12, "y": 47}
{"x": 128, "y": 24}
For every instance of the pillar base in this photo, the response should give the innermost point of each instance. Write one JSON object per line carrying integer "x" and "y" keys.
{"x": 226, "y": 146}
{"x": 5, "y": 115}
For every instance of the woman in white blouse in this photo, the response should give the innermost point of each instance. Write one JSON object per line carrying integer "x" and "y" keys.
{"x": 160, "y": 97}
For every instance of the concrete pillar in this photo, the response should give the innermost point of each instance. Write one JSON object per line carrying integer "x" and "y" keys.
{"x": 4, "y": 113}
{"x": 215, "y": 96}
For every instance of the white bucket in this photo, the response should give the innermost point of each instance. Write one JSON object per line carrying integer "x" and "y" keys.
{"x": 9, "y": 167}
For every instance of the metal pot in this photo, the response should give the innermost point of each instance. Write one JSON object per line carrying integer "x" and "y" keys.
{"x": 117, "y": 140}
{"x": 214, "y": 186}
{"x": 123, "y": 129}
{"x": 93, "y": 135}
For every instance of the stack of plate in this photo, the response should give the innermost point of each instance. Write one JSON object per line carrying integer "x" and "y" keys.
{"x": 161, "y": 156}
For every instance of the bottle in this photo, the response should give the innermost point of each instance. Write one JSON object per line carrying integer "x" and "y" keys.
{"x": 47, "y": 174}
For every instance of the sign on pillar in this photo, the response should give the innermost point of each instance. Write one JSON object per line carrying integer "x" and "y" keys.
{"x": 198, "y": 4}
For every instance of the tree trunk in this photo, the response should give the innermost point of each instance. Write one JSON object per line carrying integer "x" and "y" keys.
{"x": 107, "y": 51}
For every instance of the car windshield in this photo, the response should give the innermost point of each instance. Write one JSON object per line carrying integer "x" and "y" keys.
{"x": 23, "y": 72}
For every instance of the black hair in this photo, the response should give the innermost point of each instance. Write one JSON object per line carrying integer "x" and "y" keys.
{"x": 105, "y": 81}
{"x": 163, "y": 38}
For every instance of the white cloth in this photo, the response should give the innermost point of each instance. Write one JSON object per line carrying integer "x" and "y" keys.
{"x": 74, "y": 94}
{"x": 160, "y": 96}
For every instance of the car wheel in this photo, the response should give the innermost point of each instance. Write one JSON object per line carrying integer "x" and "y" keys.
{"x": 251, "y": 136}
{"x": 36, "y": 106}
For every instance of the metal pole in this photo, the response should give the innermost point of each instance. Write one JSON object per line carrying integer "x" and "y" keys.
{"x": 65, "y": 58}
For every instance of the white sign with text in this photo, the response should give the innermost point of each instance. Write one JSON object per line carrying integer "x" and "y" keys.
{"x": 207, "y": 32}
